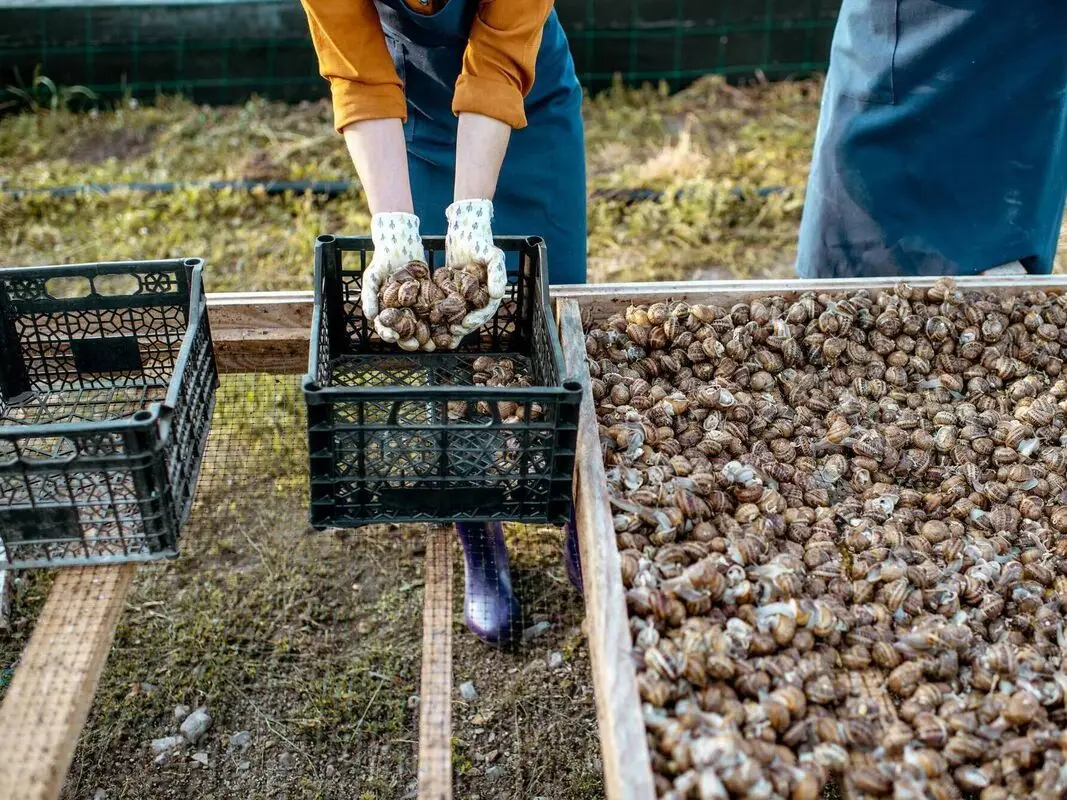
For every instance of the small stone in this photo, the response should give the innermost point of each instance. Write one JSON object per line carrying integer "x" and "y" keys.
{"x": 555, "y": 660}
{"x": 286, "y": 761}
{"x": 536, "y": 631}
{"x": 100, "y": 795}
{"x": 241, "y": 739}
{"x": 482, "y": 718}
{"x": 244, "y": 766}
{"x": 200, "y": 758}
{"x": 161, "y": 759}
{"x": 331, "y": 770}
{"x": 491, "y": 756}
{"x": 495, "y": 772}
{"x": 196, "y": 725}
{"x": 181, "y": 712}
{"x": 413, "y": 702}
{"x": 166, "y": 744}
{"x": 467, "y": 691}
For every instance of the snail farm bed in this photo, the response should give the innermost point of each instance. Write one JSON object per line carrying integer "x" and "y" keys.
{"x": 627, "y": 759}
{"x": 268, "y": 333}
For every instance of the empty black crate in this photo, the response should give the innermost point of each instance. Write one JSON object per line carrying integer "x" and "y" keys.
{"x": 107, "y": 385}
{"x": 383, "y": 445}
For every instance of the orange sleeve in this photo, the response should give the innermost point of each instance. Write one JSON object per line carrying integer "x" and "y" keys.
{"x": 350, "y": 46}
{"x": 498, "y": 65}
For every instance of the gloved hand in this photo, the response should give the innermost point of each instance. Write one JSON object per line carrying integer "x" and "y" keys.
{"x": 396, "y": 243}
{"x": 470, "y": 239}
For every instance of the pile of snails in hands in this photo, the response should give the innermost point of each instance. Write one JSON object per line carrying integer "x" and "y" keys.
{"x": 842, "y": 523}
{"x": 422, "y": 310}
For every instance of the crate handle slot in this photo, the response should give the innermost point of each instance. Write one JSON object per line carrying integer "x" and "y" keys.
{"x": 67, "y": 287}
{"x": 117, "y": 285}
{"x": 63, "y": 451}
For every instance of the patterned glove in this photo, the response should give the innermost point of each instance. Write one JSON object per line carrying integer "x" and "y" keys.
{"x": 470, "y": 239}
{"x": 396, "y": 242}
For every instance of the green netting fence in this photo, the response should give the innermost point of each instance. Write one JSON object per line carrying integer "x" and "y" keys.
{"x": 223, "y": 51}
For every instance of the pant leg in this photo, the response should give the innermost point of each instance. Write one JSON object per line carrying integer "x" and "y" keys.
{"x": 919, "y": 168}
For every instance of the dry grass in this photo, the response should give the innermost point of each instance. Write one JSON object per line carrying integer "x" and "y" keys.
{"x": 708, "y": 141}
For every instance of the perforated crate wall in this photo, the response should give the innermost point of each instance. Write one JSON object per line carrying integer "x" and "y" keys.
{"x": 382, "y": 445}
{"x": 107, "y": 385}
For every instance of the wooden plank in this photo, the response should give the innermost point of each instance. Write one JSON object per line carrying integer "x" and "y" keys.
{"x": 49, "y": 698}
{"x": 261, "y": 331}
{"x": 627, "y": 766}
{"x": 435, "y": 720}
{"x": 274, "y": 352}
{"x": 7, "y": 590}
{"x": 602, "y": 300}
{"x": 268, "y": 331}
{"x": 284, "y": 310}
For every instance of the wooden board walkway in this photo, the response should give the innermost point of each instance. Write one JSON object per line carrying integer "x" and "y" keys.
{"x": 435, "y": 698}
{"x": 49, "y": 698}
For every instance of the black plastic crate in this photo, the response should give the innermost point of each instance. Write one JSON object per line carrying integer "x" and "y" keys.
{"x": 107, "y": 385}
{"x": 382, "y": 445}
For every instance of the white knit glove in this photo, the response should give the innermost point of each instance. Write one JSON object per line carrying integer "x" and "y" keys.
{"x": 470, "y": 239}
{"x": 396, "y": 242}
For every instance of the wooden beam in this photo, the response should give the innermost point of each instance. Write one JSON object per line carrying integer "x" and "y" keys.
{"x": 261, "y": 331}
{"x": 435, "y": 700}
{"x": 49, "y": 698}
{"x": 624, "y": 749}
{"x": 7, "y": 591}
{"x": 605, "y": 299}
{"x": 269, "y": 331}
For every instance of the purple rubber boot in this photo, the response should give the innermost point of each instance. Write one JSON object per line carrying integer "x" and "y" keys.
{"x": 491, "y": 611}
{"x": 572, "y": 558}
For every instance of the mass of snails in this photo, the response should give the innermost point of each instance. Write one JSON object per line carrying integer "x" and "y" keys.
{"x": 497, "y": 373}
{"x": 842, "y": 523}
{"x": 422, "y": 306}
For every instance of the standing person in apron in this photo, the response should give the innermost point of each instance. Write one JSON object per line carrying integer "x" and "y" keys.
{"x": 463, "y": 118}
{"x": 942, "y": 141}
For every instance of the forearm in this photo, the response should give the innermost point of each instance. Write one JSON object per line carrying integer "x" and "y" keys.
{"x": 481, "y": 143}
{"x": 380, "y": 156}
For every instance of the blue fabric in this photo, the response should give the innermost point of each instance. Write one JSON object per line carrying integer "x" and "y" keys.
{"x": 942, "y": 140}
{"x": 542, "y": 189}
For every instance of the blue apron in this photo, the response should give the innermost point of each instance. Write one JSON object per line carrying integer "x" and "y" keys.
{"x": 942, "y": 141}
{"x": 542, "y": 181}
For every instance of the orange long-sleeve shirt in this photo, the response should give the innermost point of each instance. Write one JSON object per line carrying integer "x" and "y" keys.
{"x": 498, "y": 64}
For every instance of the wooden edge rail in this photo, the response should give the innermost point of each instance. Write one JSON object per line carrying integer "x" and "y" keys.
{"x": 623, "y": 744}
{"x": 269, "y": 331}
{"x": 49, "y": 698}
{"x": 435, "y": 699}
{"x": 261, "y": 331}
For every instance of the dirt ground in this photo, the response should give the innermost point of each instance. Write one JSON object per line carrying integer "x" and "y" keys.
{"x": 304, "y": 647}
